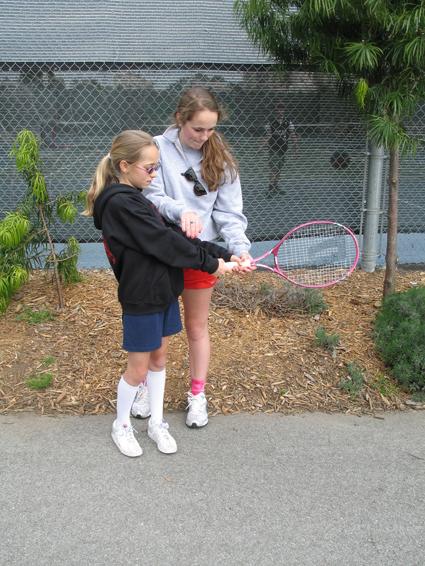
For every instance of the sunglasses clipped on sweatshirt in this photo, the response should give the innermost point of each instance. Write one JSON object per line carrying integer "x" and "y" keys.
{"x": 198, "y": 187}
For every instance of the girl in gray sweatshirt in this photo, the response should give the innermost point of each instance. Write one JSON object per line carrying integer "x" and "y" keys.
{"x": 198, "y": 187}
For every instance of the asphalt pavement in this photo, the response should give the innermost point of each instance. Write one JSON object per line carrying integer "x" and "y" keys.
{"x": 311, "y": 489}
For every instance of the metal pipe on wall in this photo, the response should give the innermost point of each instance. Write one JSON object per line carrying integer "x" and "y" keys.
{"x": 372, "y": 208}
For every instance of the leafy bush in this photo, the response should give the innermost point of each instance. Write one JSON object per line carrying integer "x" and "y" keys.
{"x": 400, "y": 336}
{"x": 48, "y": 361}
{"x": 325, "y": 340}
{"x": 35, "y": 317}
{"x": 384, "y": 385}
{"x": 419, "y": 397}
{"x": 40, "y": 381}
{"x": 354, "y": 382}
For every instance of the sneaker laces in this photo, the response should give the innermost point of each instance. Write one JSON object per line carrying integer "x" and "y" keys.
{"x": 163, "y": 429}
{"x": 195, "y": 402}
{"x": 142, "y": 391}
{"x": 129, "y": 431}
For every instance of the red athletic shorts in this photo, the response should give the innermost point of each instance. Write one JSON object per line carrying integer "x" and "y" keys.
{"x": 195, "y": 279}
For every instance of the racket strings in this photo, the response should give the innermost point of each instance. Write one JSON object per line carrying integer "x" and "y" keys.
{"x": 317, "y": 254}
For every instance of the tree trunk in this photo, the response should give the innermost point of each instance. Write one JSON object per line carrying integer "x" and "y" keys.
{"x": 54, "y": 259}
{"x": 391, "y": 254}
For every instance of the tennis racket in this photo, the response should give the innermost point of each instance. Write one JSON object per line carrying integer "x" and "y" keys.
{"x": 314, "y": 254}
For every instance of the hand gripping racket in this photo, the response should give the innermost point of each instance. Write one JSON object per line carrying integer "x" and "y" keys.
{"x": 315, "y": 254}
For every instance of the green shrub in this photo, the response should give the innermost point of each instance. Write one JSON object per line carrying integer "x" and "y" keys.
{"x": 48, "y": 361}
{"x": 40, "y": 381}
{"x": 400, "y": 336}
{"x": 384, "y": 385}
{"x": 419, "y": 397}
{"x": 36, "y": 317}
{"x": 354, "y": 382}
{"x": 309, "y": 300}
{"x": 327, "y": 341}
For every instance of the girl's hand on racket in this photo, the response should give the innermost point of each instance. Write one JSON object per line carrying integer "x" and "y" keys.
{"x": 191, "y": 224}
{"x": 223, "y": 268}
{"x": 243, "y": 263}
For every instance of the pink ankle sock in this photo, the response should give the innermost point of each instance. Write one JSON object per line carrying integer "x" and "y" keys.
{"x": 197, "y": 386}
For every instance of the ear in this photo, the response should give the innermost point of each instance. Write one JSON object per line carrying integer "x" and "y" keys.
{"x": 123, "y": 166}
{"x": 178, "y": 120}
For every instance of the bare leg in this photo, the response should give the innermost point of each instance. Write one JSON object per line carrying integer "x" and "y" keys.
{"x": 137, "y": 367}
{"x": 196, "y": 306}
{"x": 158, "y": 357}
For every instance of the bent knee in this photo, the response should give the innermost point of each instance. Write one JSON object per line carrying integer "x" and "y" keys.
{"x": 157, "y": 361}
{"x": 197, "y": 331}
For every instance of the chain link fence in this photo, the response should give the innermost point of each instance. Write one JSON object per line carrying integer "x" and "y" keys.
{"x": 76, "y": 109}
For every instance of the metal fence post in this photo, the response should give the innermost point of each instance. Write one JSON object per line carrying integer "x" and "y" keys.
{"x": 372, "y": 208}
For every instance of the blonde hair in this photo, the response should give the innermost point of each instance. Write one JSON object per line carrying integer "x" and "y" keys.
{"x": 217, "y": 156}
{"x": 126, "y": 146}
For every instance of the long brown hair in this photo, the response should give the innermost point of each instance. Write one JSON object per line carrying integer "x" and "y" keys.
{"x": 218, "y": 160}
{"x": 126, "y": 146}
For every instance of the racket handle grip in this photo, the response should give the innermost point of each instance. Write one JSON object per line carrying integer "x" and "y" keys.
{"x": 231, "y": 264}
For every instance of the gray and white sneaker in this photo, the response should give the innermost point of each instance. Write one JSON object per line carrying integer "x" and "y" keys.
{"x": 164, "y": 441}
{"x": 141, "y": 406}
{"x": 123, "y": 436}
{"x": 197, "y": 415}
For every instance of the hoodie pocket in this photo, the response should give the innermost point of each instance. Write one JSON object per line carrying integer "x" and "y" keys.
{"x": 146, "y": 283}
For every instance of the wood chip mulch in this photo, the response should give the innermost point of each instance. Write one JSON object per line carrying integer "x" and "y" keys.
{"x": 260, "y": 362}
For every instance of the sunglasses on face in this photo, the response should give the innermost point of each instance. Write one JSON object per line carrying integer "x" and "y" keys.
{"x": 198, "y": 188}
{"x": 149, "y": 170}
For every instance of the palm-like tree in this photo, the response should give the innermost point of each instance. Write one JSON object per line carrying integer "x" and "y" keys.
{"x": 375, "y": 47}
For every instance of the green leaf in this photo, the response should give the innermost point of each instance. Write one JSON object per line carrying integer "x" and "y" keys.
{"x": 5, "y": 288}
{"x": 82, "y": 197}
{"x": 415, "y": 50}
{"x": 68, "y": 262}
{"x": 4, "y": 301}
{"x": 383, "y": 130}
{"x": 25, "y": 150}
{"x": 362, "y": 55}
{"x": 17, "y": 277}
{"x": 361, "y": 91}
{"x": 13, "y": 229}
{"x": 39, "y": 190}
{"x": 66, "y": 210}
{"x": 317, "y": 8}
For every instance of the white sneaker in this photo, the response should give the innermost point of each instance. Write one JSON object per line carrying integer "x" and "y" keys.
{"x": 164, "y": 441}
{"x": 141, "y": 407}
{"x": 197, "y": 415}
{"x": 123, "y": 436}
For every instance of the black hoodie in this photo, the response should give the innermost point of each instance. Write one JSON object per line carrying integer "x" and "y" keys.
{"x": 145, "y": 252}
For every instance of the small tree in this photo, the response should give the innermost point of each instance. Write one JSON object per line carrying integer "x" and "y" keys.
{"x": 375, "y": 47}
{"x": 25, "y": 234}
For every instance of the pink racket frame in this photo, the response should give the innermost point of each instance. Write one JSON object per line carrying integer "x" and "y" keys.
{"x": 281, "y": 273}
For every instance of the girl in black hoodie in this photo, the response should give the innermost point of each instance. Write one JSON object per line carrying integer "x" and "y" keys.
{"x": 147, "y": 256}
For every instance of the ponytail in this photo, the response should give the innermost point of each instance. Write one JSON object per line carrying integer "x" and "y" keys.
{"x": 104, "y": 176}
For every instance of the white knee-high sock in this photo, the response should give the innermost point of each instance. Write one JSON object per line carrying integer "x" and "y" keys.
{"x": 125, "y": 398}
{"x": 156, "y": 388}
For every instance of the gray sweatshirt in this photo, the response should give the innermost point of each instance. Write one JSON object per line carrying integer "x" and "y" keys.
{"x": 220, "y": 211}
